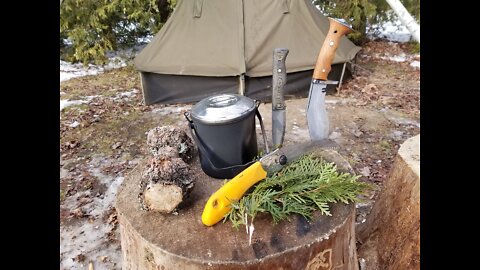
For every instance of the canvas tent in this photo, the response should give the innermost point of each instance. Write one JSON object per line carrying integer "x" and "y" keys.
{"x": 209, "y": 47}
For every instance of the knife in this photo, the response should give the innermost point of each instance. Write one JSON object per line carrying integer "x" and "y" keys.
{"x": 279, "y": 79}
{"x": 218, "y": 205}
{"x": 317, "y": 118}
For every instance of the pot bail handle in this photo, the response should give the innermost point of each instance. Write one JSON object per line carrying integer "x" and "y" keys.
{"x": 259, "y": 116}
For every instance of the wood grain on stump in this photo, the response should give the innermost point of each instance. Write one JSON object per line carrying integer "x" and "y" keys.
{"x": 166, "y": 241}
{"x": 391, "y": 233}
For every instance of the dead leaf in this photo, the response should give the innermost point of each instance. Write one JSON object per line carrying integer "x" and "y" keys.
{"x": 361, "y": 103}
{"x": 72, "y": 144}
{"x": 84, "y": 200}
{"x": 116, "y": 145}
{"x": 79, "y": 258}
{"x": 112, "y": 219}
{"x": 357, "y": 133}
{"x": 78, "y": 213}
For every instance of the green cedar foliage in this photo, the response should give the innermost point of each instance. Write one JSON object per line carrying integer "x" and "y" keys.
{"x": 302, "y": 187}
{"x": 94, "y": 27}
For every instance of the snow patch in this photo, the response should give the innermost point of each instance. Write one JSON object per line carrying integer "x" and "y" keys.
{"x": 397, "y": 58}
{"x": 74, "y": 124}
{"x": 171, "y": 110}
{"x": 69, "y": 70}
{"x": 66, "y": 103}
{"x": 89, "y": 236}
{"x": 85, "y": 240}
{"x": 401, "y": 58}
{"x": 116, "y": 59}
{"x": 126, "y": 95}
{"x": 392, "y": 30}
{"x": 415, "y": 64}
{"x": 123, "y": 95}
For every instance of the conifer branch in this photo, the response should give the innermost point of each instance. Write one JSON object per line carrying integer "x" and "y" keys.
{"x": 302, "y": 187}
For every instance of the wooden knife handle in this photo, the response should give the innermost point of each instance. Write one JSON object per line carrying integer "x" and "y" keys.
{"x": 330, "y": 45}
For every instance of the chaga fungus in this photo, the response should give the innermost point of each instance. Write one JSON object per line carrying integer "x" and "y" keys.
{"x": 167, "y": 179}
{"x": 170, "y": 136}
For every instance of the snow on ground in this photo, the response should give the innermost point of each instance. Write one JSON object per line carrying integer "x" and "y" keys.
{"x": 126, "y": 95}
{"x": 74, "y": 124}
{"x": 415, "y": 64}
{"x": 396, "y": 58}
{"x": 88, "y": 237}
{"x": 66, "y": 102}
{"x": 412, "y": 58}
{"x": 115, "y": 60}
{"x": 69, "y": 70}
{"x": 392, "y": 30}
{"x": 122, "y": 95}
{"x": 404, "y": 58}
{"x": 173, "y": 109}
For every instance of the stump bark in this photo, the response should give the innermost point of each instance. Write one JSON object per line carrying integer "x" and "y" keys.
{"x": 155, "y": 241}
{"x": 390, "y": 236}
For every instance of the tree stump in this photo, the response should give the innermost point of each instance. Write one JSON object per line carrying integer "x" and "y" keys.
{"x": 166, "y": 241}
{"x": 391, "y": 234}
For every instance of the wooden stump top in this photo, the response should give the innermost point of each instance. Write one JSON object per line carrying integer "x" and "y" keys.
{"x": 184, "y": 234}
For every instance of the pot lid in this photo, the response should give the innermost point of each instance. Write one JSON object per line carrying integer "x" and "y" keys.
{"x": 222, "y": 108}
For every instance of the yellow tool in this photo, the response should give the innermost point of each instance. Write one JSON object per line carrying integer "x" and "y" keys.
{"x": 218, "y": 204}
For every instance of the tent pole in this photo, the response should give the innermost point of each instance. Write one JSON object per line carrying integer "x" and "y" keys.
{"x": 341, "y": 77}
{"x": 241, "y": 84}
{"x": 141, "y": 86}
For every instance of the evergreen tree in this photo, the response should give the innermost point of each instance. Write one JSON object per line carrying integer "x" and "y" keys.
{"x": 94, "y": 27}
{"x": 360, "y": 13}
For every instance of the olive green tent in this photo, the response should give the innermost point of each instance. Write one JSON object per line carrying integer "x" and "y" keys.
{"x": 210, "y": 47}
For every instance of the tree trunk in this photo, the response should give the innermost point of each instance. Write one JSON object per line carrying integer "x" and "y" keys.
{"x": 157, "y": 241}
{"x": 406, "y": 18}
{"x": 390, "y": 236}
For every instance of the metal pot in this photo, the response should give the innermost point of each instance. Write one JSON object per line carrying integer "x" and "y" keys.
{"x": 223, "y": 127}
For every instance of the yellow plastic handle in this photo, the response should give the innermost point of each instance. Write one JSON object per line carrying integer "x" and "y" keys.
{"x": 218, "y": 204}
